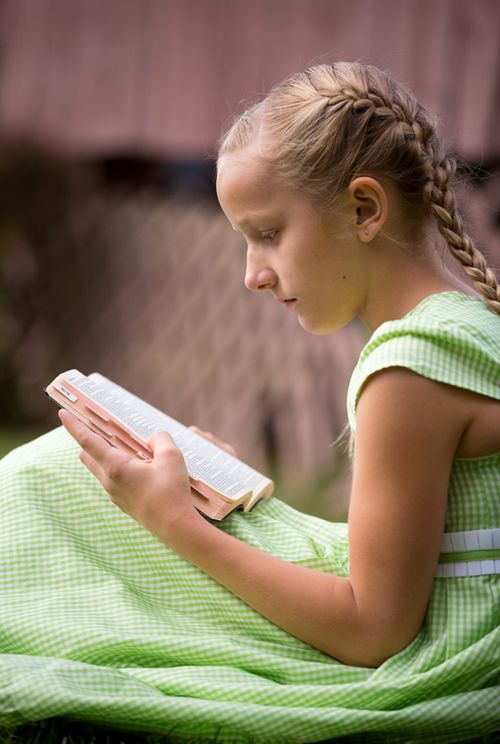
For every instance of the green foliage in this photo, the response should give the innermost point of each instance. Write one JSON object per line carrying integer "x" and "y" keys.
{"x": 11, "y": 437}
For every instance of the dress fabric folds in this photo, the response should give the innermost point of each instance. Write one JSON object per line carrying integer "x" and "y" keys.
{"x": 101, "y": 622}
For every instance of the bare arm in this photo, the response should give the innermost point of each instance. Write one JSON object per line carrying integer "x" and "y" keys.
{"x": 401, "y": 471}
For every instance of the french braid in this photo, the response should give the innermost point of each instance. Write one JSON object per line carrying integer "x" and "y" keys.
{"x": 322, "y": 128}
{"x": 439, "y": 196}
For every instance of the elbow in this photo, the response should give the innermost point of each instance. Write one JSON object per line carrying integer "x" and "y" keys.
{"x": 369, "y": 656}
{"x": 378, "y": 632}
{"x": 373, "y": 647}
{"x": 369, "y": 633}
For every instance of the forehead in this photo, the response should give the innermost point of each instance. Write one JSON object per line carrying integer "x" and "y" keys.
{"x": 246, "y": 187}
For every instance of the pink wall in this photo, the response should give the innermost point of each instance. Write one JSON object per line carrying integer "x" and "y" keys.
{"x": 165, "y": 76}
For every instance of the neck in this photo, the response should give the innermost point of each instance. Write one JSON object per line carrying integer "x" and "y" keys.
{"x": 403, "y": 275}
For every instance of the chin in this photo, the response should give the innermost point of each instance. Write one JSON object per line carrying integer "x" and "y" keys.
{"x": 320, "y": 328}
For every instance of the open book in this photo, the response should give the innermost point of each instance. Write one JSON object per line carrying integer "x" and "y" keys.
{"x": 220, "y": 482}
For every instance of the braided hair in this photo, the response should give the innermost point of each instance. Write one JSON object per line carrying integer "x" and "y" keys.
{"x": 322, "y": 128}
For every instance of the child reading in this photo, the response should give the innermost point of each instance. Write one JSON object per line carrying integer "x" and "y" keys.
{"x": 275, "y": 626}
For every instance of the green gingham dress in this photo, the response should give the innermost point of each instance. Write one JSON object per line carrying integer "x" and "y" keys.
{"x": 99, "y": 621}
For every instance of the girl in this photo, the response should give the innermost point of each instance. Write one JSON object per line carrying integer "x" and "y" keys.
{"x": 342, "y": 191}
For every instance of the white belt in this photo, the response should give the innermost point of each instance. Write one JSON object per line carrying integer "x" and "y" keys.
{"x": 470, "y": 553}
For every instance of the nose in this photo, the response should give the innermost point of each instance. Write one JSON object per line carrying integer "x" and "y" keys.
{"x": 258, "y": 276}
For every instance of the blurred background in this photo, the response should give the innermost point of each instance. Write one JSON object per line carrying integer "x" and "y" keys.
{"x": 114, "y": 255}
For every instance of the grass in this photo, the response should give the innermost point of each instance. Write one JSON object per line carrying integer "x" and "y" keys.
{"x": 14, "y": 436}
{"x": 62, "y": 731}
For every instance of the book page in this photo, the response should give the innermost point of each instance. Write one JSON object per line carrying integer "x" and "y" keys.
{"x": 205, "y": 461}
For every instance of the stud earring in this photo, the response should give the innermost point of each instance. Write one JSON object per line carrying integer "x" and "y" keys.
{"x": 366, "y": 231}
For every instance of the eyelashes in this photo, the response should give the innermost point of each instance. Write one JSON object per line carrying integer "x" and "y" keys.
{"x": 268, "y": 237}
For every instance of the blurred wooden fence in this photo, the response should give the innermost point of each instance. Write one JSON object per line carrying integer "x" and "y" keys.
{"x": 149, "y": 289}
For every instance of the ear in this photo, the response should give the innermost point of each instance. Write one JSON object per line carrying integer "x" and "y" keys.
{"x": 369, "y": 199}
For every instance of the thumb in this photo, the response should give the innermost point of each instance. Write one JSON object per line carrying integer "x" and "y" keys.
{"x": 163, "y": 445}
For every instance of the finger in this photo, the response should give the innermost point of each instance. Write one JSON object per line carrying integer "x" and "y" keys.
{"x": 74, "y": 426}
{"x": 163, "y": 445}
{"x": 215, "y": 440}
{"x": 86, "y": 438}
{"x": 95, "y": 445}
{"x": 93, "y": 466}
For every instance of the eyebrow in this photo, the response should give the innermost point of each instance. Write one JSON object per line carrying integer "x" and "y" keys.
{"x": 251, "y": 221}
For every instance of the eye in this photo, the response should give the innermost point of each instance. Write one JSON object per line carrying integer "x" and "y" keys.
{"x": 268, "y": 237}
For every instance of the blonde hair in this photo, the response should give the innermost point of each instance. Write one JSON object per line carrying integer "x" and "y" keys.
{"x": 325, "y": 126}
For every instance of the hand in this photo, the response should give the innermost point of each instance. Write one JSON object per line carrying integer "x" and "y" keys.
{"x": 155, "y": 493}
{"x": 211, "y": 438}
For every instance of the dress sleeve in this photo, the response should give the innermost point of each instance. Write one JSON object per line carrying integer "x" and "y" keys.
{"x": 459, "y": 352}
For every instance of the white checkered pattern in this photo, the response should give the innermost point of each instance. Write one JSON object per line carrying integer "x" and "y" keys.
{"x": 100, "y": 621}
